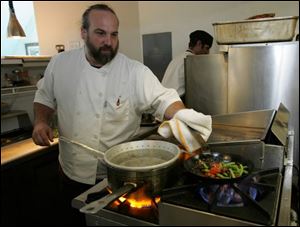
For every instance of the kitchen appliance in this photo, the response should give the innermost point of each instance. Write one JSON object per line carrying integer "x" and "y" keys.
{"x": 246, "y": 77}
{"x": 15, "y": 126}
{"x": 260, "y": 199}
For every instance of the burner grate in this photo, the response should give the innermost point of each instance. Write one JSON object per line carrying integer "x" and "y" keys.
{"x": 259, "y": 206}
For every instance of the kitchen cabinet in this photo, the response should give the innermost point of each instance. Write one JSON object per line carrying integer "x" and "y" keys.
{"x": 30, "y": 189}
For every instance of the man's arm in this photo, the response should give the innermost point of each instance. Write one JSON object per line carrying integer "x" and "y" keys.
{"x": 172, "y": 109}
{"x": 42, "y": 132}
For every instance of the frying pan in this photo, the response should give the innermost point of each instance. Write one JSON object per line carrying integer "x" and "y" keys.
{"x": 192, "y": 166}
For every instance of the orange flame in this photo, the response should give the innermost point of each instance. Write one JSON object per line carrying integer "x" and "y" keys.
{"x": 138, "y": 199}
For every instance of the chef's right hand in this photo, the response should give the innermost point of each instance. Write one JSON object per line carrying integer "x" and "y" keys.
{"x": 42, "y": 134}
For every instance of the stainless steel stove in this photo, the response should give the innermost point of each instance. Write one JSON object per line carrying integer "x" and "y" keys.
{"x": 188, "y": 201}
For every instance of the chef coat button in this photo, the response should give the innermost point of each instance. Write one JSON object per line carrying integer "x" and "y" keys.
{"x": 100, "y": 94}
{"x": 97, "y": 115}
{"x": 95, "y": 136}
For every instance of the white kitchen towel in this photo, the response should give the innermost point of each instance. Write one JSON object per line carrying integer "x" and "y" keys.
{"x": 178, "y": 127}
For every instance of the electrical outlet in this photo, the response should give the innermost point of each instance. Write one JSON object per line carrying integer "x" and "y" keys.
{"x": 74, "y": 44}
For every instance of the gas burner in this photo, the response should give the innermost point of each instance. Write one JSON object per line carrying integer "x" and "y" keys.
{"x": 138, "y": 204}
{"x": 250, "y": 199}
{"x": 250, "y": 190}
{"x": 226, "y": 195}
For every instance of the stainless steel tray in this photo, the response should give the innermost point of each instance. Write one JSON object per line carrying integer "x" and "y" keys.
{"x": 256, "y": 30}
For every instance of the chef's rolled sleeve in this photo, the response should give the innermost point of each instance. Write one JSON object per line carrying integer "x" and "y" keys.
{"x": 158, "y": 97}
{"x": 45, "y": 92}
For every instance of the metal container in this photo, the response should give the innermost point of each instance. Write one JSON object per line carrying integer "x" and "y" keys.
{"x": 256, "y": 30}
{"x": 140, "y": 163}
{"x": 147, "y": 162}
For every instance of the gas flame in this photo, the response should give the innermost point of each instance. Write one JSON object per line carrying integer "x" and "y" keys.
{"x": 139, "y": 199}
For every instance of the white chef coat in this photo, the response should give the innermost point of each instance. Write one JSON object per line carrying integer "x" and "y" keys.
{"x": 98, "y": 107}
{"x": 174, "y": 75}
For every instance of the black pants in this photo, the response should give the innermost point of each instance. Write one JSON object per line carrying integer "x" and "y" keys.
{"x": 69, "y": 189}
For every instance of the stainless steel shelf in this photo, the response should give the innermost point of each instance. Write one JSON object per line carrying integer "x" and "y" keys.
{"x": 13, "y": 113}
{"x": 18, "y": 90}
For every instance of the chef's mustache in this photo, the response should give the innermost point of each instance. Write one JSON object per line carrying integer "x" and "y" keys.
{"x": 105, "y": 48}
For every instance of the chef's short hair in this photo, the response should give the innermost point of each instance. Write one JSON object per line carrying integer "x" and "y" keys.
{"x": 203, "y": 36}
{"x": 85, "y": 17}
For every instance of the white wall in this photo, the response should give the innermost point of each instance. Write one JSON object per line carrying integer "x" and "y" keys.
{"x": 59, "y": 23}
{"x": 25, "y": 15}
{"x": 183, "y": 17}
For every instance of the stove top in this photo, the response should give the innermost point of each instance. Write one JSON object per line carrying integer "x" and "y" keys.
{"x": 189, "y": 202}
{"x": 254, "y": 199}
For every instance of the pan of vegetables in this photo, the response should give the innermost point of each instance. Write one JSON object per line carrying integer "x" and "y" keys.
{"x": 217, "y": 167}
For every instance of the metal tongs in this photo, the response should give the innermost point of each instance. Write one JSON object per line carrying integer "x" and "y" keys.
{"x": 205, "y": 149}
{"x": 204, "y": 146}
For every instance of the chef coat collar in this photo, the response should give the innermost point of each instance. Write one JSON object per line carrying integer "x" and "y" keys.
{"x": 104, "y": 68}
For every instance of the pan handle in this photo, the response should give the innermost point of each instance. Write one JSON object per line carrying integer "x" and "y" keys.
{"x": 94, "y": 152}
{"x": 95, "y": 206}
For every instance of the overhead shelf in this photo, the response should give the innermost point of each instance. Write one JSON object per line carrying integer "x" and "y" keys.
{"x": 18, "y": 90}
{"x": 26, "y": 61}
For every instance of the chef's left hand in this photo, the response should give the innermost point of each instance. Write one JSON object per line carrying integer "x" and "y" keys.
{"x": 196, "y": 120}
{"x": 180, "y": 127}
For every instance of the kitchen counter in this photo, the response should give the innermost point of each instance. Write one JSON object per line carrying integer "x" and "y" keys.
{"x": 21, "y": 149}
{"x": 27, "y": 147}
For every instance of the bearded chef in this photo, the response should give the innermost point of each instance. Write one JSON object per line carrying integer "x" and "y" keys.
{"x": 99, "y": 96}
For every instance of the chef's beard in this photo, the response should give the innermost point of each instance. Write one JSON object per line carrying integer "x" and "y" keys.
{"x": 99, "y": 57}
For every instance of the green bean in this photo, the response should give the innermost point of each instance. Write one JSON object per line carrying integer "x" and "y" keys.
{"x": 231, "y": 173}
{"x": 222, "y": 177}
{"x": 228, "y": 163}
{"x": 204, "y": 165}
{"x": 242, "y": 169}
